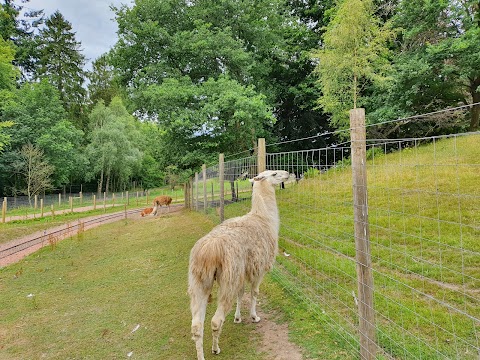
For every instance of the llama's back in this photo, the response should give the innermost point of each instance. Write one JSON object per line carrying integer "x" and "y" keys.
{"x": 162, "y": 200}
{"x": 237, "y": 250}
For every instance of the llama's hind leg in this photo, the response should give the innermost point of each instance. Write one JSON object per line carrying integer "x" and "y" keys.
{"x": 198, "y": 306}
{"x": 238, "y": 315}
{"x": 254, "y": 295}
{"x": 217, "y": 323}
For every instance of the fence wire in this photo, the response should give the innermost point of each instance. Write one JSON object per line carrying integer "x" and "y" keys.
{"x": 423, "y": 206}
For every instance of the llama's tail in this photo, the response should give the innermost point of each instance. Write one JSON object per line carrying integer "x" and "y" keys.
{"x": 210, "y": 261}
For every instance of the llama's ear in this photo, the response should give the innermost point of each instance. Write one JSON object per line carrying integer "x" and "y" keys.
{"x": 259, "y": 178}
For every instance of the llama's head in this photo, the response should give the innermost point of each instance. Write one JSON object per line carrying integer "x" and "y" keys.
{"x": 271, "y": 176}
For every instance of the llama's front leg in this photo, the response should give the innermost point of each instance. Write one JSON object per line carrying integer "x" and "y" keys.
{"x": 154, "y": 212}
{"x": 198, "y": 307}
{"x": 238, "y": 316}
{"x": 217, "y": 323}
{"x": 254, "y": 295}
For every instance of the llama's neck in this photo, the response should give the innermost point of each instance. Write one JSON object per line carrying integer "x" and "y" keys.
{"x": 264, "y": 203}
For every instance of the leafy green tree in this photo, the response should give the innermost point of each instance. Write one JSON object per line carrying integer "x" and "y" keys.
{"x": 103, "y": 83}
{"x": 8, "y": 75}
{"x": 61, "y": 62}
{"x": 41, "y": 121}
{"x": 448, "y": 42}
{"x": 354, "y": 53}
{"x": 112, "y": 151}
{"x": 18, "y": 24}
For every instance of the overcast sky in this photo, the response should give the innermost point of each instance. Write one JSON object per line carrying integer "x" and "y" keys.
{"x": 92, "y": 21}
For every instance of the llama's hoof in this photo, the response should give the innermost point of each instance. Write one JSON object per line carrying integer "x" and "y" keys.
{"x": 216, "y": 351}
{"x": 237, "y": 320}
{"x": 256, "y": 319}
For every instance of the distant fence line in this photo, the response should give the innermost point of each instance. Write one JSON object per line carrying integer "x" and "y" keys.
{"x": 395, "y": 276}
{"x": 46, "y": 205}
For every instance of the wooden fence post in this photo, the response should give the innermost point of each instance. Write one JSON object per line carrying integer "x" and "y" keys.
{"x": 53, "y": 211}
{"x": 4, "y": 209}
{"x": 196, "y": 191}
{"x": 81, "y": 198}
{"x": 261, "y": 156}
{"x": 204, "y": 173}
{"x": 191, "y": 193}
{"x": 128, "y": 197}
{"x": 41, "y": 208}
{"x": 94, "y": 202}
{"x": 59, "y": 199}
{"x": 366, "y": 313}
{"x": 70, "y": 199}
{"x": 113, "y": 199}
{"x": 35, "y": 202}
{"x": 104, "y": 201}
{"x": 221, "y": 175}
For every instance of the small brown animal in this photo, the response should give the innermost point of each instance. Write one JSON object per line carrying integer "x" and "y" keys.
{"x": 159, "y": 201}
{"x": 146, "y": 211}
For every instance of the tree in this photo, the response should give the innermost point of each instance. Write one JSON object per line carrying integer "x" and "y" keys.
{"x": 354, "y": 53}
{"x": 18, "y": 24}
{"x": 449, "y": 42}
{"x": 35, "y": 171}
{"x": 103, "y": 83}
{"x": 61, "y": 62}
{"x": 8, "y": 75}
{"x": 40, "y": 120}
{"x": 112, "y": 151}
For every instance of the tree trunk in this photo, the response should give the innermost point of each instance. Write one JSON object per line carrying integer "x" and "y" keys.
{"x": 107, "y": 182}
{"x": 475, "y": 111}
{"x": 100, "y": 184}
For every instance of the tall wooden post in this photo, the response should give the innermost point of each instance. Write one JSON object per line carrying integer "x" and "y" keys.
{"x": 128, "y": 197}
{"x": 261, "y": 156}
{"x": 221, "y": 175}
{"x": 191, "y": 193}
{"x": 41, "y": 208}
{"x": 204, "y": 173}
{"x": 4, "y": 209}
{"x": 196, "y": 191}
{"x": 94, "y": 202}
{"x": 368, "y": 347}
{"x": 104, "y": 201}
{"x": 59, "y": 200}
{"x": 70, "y": 200}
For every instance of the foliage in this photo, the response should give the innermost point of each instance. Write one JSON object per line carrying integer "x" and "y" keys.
{"x": 40, "y": 120}
{"x": 61, "y": 62}
{"x": 103, "y": 85}
{"x": 112, "y": 151}
{"x": 18, "y": 24}
{"x": 354, "y": 53}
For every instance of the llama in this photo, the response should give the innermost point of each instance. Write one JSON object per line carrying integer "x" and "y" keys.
{"x": 146, "y": 211}
{"x": 238, "y": 250}
{"x": 159, "y": 201}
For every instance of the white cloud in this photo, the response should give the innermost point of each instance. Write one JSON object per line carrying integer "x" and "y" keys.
{"x": 92, "y": 21}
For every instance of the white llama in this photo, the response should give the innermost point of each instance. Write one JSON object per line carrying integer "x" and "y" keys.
{"x": 238, "y": 250}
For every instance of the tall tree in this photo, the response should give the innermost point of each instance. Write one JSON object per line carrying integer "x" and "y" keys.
{"x": 61, "y": 62}
{"x": 353, "y": 54}
{"x": 18, "y": 24}
{"x": 40, "y": 119}
{"x": 112, "y": 150}
{"x": 8, "y": 75}
{"x": 103, "y": 83}
{"x": 447, "y": 41}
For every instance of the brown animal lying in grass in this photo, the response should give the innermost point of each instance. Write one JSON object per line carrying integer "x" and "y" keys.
{"x": 159, "y": 201}
{"x": 146, "y": 211}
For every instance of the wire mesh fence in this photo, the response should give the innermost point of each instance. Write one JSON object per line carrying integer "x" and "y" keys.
{"x": 423, "y": 208}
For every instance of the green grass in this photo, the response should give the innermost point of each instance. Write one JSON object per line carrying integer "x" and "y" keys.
{"x": 90, "y": 293}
